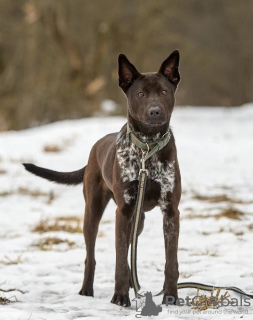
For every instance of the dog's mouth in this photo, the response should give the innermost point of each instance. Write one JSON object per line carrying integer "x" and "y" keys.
{"x": 153, "y": 123}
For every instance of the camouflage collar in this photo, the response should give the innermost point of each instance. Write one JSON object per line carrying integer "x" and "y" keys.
{"x": 151, "y": 147}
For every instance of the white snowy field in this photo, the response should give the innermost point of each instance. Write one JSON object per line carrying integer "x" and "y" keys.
{"x": 215, "y": 150}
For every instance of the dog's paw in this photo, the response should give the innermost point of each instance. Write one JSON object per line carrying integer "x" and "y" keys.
{"x": 87, "y": 292}
{"x": 121, "y": 300}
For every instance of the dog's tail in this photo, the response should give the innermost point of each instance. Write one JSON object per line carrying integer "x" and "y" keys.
{"x": 71, "y": 178}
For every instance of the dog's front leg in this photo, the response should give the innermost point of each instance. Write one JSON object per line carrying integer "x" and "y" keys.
{"x": 123, "y": 233}
{"x": 171, "y": 232}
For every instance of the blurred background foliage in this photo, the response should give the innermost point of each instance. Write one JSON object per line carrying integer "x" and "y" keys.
{"x": 58, "y": 58}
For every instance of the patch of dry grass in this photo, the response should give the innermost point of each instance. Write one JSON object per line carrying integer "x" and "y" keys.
{"x": 46, "y": 244}
{"x": 213, "y": 302}
{"x": 250, "y": 227}
{"x": 183, "y": 249}
{"x": 100, "y": 234}
{"x": 195, "y": 216}
{"x": 218, "y": 198}
{"x": 58, "y": 147}
{"x": 207, "y": 233}
{"x": 247, "y": 275}
{"x": 9, "y": 261}
{"x": 4, "y": 300}
{"x": 206, "y": 253}
{"x": 237, "y": 233}
{"x": 230, "y": 213}
{"x": 68, "y": 224}
{"x": 32, "y": 193}
{"x": 5, "y": 193}
{"x": 52, "y": 148}
{"x": 2, "y": 171}
{"x": 36, "y": 193}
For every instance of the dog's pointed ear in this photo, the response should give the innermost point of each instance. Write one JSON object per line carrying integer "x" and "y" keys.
{"x": 127, "y": 73}
{"x": 169, "y": 68}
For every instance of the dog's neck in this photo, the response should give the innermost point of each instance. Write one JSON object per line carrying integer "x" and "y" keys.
{"x": 147, "y": 133}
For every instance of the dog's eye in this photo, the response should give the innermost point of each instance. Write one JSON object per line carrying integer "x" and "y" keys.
{"x": 164, "y": 92}
{"x": 141, "y": 94}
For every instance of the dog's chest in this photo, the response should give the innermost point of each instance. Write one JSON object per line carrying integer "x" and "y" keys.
{"x": 129, "y": 159}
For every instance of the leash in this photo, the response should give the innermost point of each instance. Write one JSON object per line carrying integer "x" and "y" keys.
{"x": 138, "y": 210}
{"x": 156, "y": 146}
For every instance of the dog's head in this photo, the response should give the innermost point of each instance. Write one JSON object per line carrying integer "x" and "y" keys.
{"x": 151, "y": 96}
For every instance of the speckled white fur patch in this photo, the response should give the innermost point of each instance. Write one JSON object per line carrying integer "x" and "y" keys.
{"x": 129, "y": 162}
{"x": 127, "y": 197}
{"x": 166, "y": 178}
{"x": 169, "y": 229}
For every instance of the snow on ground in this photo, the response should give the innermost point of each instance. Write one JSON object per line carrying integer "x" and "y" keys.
{"x": 215, "y": 155}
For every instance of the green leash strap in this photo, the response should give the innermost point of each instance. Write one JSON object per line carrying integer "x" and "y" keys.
{"x": 137, "y": 214}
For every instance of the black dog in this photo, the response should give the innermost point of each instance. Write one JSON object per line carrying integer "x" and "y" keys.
{"x": 113, "y": 168}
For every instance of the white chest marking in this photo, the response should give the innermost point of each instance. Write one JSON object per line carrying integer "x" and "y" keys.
{"x": 166, "y": 179}
{"x": 129, "y": 162}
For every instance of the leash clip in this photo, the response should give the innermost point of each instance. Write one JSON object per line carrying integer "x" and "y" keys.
{"x": 143, "y": 167}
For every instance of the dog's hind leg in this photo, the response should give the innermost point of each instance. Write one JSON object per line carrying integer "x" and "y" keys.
{"x": 97, "y": 197}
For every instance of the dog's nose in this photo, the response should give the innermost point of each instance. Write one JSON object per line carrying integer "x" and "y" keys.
{"x": 154, "y": 112}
